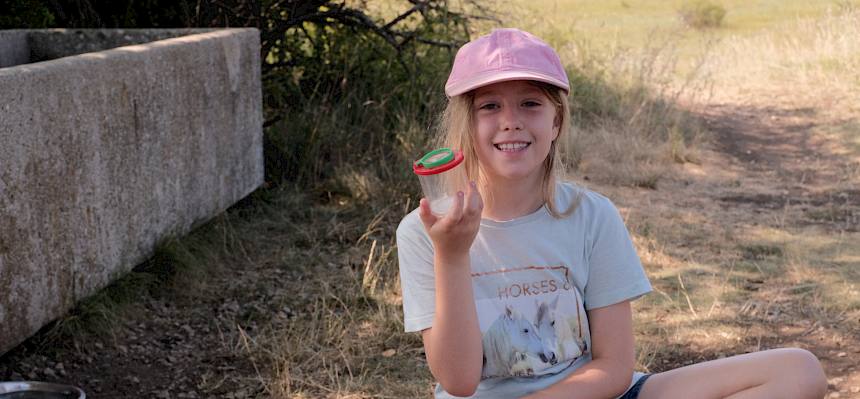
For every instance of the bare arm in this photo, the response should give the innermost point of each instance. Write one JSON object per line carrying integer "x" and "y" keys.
{"x": 453, "y": 344}
{"x": 611, "y": 369}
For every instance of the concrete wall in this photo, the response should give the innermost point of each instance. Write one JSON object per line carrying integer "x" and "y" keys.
{"x": 104, "y": 154}
{"x": 13, "y": 48}
{"x": 21, "y": 46}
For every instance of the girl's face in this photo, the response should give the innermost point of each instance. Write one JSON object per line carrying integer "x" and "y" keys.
{"x": 515, "y": 124}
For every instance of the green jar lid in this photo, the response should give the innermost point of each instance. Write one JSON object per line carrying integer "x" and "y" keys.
{"x": 437, "y": 161}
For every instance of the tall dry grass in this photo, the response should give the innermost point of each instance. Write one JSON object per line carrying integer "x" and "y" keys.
{"x": 333, "y": 234}
{"x": 634, "y": 108}
{"x": 818, "y": 57}
{"x": 348, "y": 341}
{"x": 811, "y": 64}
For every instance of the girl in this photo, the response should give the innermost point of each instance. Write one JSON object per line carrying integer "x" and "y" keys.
{"x": 523, "y": 288}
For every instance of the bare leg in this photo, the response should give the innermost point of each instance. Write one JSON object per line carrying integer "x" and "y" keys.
{"x": 778, "y": 373}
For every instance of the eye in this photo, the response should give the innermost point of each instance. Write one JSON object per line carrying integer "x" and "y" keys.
{"x": 489, "y": 106}
{"x": 531, "y": 103}
{"x": 525, "y": 331}
{"x": 552, "y": 323}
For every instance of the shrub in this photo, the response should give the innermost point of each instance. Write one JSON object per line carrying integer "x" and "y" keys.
{"x": 25, "y": 13}
{"x": 702, "y": 14}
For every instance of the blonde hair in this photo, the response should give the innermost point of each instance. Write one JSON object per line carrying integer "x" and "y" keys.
{"x": 456, "y": 130}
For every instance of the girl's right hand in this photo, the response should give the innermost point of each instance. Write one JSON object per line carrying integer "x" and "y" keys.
{"x": 454, "y": 233}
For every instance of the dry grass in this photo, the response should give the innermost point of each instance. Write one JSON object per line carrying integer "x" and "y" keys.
{"x": 722, "y": 286}
{"x": 726, "y": 279}
{"x": 629, "y": 124}
{"x": 317, "y": 266}
{"x": 347, "y": 343}
{"x": 766, "y": 278}
{"x": 818, "y": 57}
{"x": 331, "y": 264}
{"x": 737, "y": 269}
{"x": 349, "y": 340}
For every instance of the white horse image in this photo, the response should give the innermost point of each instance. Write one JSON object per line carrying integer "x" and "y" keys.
{"x": 558, "y": 334}
{"x": 525, "y": 365}
{"x": 506, "y": 342}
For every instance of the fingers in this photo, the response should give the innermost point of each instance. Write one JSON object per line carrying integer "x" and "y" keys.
{"x": 427, "y": 217}
{"x": 474, "y": 201}
{"x": 465, "y": 207}
{"x": 456, "y": 212}
{"x": 454, "y": 232}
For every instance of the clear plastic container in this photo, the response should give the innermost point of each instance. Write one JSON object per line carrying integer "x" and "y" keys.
{"x": 439, "y": 177}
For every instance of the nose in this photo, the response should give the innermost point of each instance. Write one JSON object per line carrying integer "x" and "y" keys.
{"x": 510, "y": 119}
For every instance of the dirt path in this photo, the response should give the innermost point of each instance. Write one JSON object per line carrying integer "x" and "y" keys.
{"x": 794, "y": 172}
{"x": 768, "y": 169}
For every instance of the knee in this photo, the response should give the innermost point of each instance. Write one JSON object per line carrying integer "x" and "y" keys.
{"x": 805, "y": 373}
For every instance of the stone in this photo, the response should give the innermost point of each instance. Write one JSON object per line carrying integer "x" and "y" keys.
{"x": 105, "y": 154}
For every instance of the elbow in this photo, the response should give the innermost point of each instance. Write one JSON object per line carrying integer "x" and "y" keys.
{"x": 621, "y": 379}
{"x": 617, "y": 376}
{"x": 460, "y": 388}
{"x": 463, "y": 383}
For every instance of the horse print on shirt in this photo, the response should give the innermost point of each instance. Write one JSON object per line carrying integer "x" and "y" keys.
{"x": 525, "y": 365}
{"x": 510, "y": 341}
{"x": 532, "y": 320}
{"x": 561, "y": 335}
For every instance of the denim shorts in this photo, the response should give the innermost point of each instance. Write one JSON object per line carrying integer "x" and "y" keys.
{"x": 633, "y": 392}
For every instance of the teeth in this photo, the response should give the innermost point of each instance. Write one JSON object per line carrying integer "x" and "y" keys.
{"x": 511, "y": 146}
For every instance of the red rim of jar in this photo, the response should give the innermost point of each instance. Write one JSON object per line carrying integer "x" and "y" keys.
{"x": 422, "y": 171}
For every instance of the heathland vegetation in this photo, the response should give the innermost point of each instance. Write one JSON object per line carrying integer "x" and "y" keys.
{"x": 726, "y": 132}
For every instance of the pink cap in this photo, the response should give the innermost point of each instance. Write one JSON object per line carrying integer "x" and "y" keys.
{"x": 504, "y": 54}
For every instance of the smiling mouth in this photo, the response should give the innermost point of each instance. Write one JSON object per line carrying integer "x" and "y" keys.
{"x": 512, "y": 147}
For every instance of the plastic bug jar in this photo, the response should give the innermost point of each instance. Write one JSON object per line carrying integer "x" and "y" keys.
{"x": 437, "y": 172}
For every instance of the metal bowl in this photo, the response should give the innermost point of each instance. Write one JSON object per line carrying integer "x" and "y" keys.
{"x": 39, "y": 390}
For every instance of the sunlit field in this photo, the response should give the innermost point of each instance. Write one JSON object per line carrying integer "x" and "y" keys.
{"x": 637, "y": 23}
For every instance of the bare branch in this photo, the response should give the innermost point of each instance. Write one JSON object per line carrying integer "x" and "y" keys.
{"x": 401, "y": 17}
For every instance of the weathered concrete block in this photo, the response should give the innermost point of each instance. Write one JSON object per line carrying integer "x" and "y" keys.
{"x": 13, "y": 48}
{"x": 104, "y": 154}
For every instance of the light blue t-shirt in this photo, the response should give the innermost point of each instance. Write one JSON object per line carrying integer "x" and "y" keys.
{"x": 533, "y": 278}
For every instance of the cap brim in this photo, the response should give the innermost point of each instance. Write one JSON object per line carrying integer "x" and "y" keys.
{"x": 464, "y": 86}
